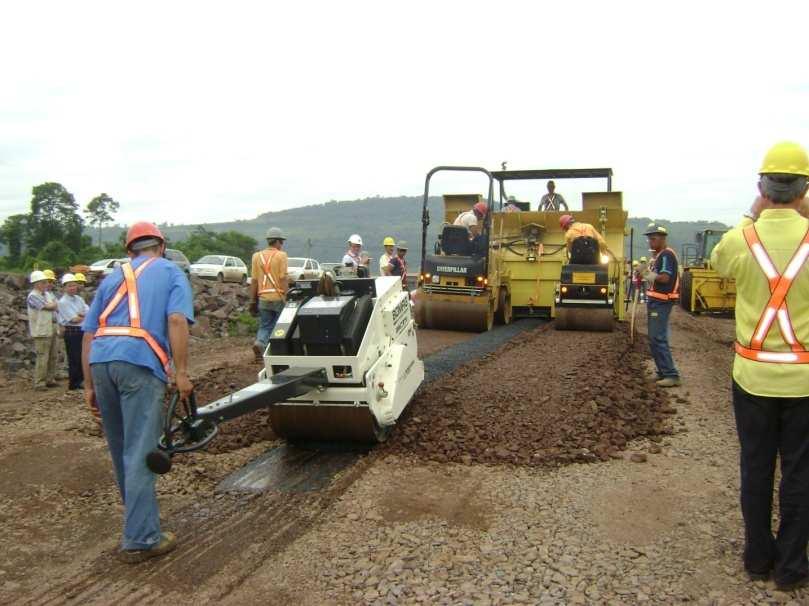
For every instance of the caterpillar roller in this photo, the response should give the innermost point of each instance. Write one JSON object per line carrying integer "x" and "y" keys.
{"x": 462, "y": 284}
{"x": 341, "y": 366}
{"x": 702, "y": 288}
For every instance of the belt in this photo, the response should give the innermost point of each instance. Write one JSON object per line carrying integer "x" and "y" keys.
{"x": 73, "y": 329}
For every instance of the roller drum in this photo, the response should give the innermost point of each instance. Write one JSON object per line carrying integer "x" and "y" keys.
{"x": 326, "y": 423}
{"x": 453, "y": 315}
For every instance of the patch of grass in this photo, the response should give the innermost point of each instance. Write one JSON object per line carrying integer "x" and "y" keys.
{"x": 243, "y": 325}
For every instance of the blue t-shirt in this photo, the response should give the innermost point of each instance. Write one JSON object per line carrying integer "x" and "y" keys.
{"x": 666, "y": 263}
{"x": 162, "y": 290}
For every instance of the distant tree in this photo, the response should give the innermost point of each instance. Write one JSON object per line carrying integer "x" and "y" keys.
{"x": 54, "y": 217}
{"x": 101, "y": 210}
{"x": 56, "y": 254}
{"x": 13, "y": 233}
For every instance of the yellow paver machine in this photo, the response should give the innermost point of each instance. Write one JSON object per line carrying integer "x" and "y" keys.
{"x": 702, "y": 289}
{"x": 520, "y": 266}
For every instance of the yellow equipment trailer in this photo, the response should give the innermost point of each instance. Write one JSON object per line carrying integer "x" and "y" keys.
{"x": 461, "y": 280}
{"x": 541, "y": 280}
{"x": 702, "y": 289}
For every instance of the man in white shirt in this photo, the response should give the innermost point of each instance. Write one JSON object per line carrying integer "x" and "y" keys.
{"x": 354, "y": 258}
{"x": 472, "y": 219}
{"x": 72, "y": 310}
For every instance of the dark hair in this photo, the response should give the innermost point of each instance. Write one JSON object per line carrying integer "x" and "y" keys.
{"x": 782, "y": 189}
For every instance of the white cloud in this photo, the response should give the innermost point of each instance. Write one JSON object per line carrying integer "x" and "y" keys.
{"x": 208, "y": 111}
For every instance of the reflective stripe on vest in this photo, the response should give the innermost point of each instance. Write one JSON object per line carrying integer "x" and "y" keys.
{"x": 129, "y": 289}
{"x": 675, "y": 292}
{"x": 776, "y": 308}
{"x": 268, "y": 282}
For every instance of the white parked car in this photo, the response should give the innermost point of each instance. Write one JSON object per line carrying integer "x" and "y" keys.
{"x": 301, "y": 268}
{"x": 104, "y": 267}
{"x": 221, "y": 268}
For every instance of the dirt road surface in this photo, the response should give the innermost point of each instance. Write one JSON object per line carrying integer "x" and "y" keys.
{"x": 512, "y": 481}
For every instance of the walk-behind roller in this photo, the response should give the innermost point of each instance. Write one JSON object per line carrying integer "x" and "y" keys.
{"x": 341, "y": 365}
{"x": 585, "y": 298}
{"x": 461, "y": 282}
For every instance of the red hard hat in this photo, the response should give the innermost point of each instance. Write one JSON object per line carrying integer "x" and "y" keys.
{"x": 565, "y": 220}
{"x": 142, "y": 229}
{"x": 481, "y": 208}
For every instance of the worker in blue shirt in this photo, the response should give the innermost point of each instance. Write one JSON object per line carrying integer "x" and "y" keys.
{"x": 134, "y": 328}
{"x": 663, "y": 277}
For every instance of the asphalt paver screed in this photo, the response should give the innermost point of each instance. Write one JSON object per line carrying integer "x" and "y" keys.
{"x": 544, "y": 398}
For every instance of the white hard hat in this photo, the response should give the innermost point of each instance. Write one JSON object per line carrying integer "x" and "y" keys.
{"x": 355, "y": 239}
{"x": 68, "y": 278}
{"x": 37, "y": 276}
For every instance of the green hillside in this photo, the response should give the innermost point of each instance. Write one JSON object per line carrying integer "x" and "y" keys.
{"x": 327, "y": 226}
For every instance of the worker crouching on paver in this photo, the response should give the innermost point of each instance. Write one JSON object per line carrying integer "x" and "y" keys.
{"x": 42, "y": 306}
{"x": 268, "y": 287}
{"x": 136, "y": 324}
{"x": 767, "y": 256}
{"x": 662, "y": 276}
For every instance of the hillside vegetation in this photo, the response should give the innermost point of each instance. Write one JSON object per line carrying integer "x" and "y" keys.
{"x": 321, "y": 230}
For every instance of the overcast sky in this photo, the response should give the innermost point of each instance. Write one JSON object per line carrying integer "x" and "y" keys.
{"x": 205, "y": 111}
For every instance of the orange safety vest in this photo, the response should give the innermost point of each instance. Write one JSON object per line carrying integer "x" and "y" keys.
{"x": 268, "y": 282}
{"x": 675, "y": 292}
{"x": 776, "y": 307}
{"x": 129, "y": 288}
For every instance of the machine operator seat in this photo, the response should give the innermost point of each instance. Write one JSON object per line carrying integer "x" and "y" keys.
{"x": 455, "y": 241}
{"x": 584, "y": 251}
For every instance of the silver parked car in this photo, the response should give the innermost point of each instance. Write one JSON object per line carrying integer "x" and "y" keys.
{"x": 220, "y": 267}
{"x": 301, "y": 268}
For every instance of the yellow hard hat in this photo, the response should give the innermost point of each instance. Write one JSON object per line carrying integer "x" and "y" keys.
{"x": 388, "y": 242}
{"x": 49, "y": 275}
{"x": 786, "y": 158}
{"x": 635, "y": 263}
{"x": 80, "y": 277}
{"x": 643, "y": 259}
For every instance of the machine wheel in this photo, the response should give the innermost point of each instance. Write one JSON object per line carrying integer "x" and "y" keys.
{"x": 243, "y": 281}
{"x": 503, "y": 313}
{"x": 220, "y": 277}
{"x": 686, "y": 291}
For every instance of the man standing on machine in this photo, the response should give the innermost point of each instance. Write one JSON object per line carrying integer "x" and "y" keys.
{"x": 663, "y": 278}
{"x": 552, "y": 200}
{"x": 268, "y": 287}
{"x": 136, "y": 326}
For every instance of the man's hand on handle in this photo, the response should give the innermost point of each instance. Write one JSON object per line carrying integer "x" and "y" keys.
{"x": 184, "y": 385}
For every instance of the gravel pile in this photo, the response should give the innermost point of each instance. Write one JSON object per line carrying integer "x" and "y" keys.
{"x": 546, "y": 397}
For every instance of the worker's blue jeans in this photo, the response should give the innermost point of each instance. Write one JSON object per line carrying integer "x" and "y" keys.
{"x": 658, "y": 313}
{"x": 767, "y": 428}
{"x": 130, "y": 399}
{"x": 268, "y": 312}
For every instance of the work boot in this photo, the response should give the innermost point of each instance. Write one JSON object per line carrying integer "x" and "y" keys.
{"x": 668, "y": 382}
{"x": 802, "y": 582}
{"x": 132, "y": 556}
{"x": 258, "y": 350}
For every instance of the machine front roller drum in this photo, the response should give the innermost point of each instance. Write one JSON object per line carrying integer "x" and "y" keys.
{"x": 583, "y": 318}
{"x": 326, "y": 423}
{"x": 452, "y": 315}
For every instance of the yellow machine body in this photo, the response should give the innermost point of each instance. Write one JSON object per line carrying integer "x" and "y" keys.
{"x": 532, "y": 245}
{"x": 464, "y": 302}
{"x": 702, "y": 289}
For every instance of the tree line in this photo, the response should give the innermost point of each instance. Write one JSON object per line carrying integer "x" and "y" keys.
{"x": 53, "y": 233}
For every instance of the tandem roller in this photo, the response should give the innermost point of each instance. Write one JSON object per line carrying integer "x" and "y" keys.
{"x": 341, "y": 366}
